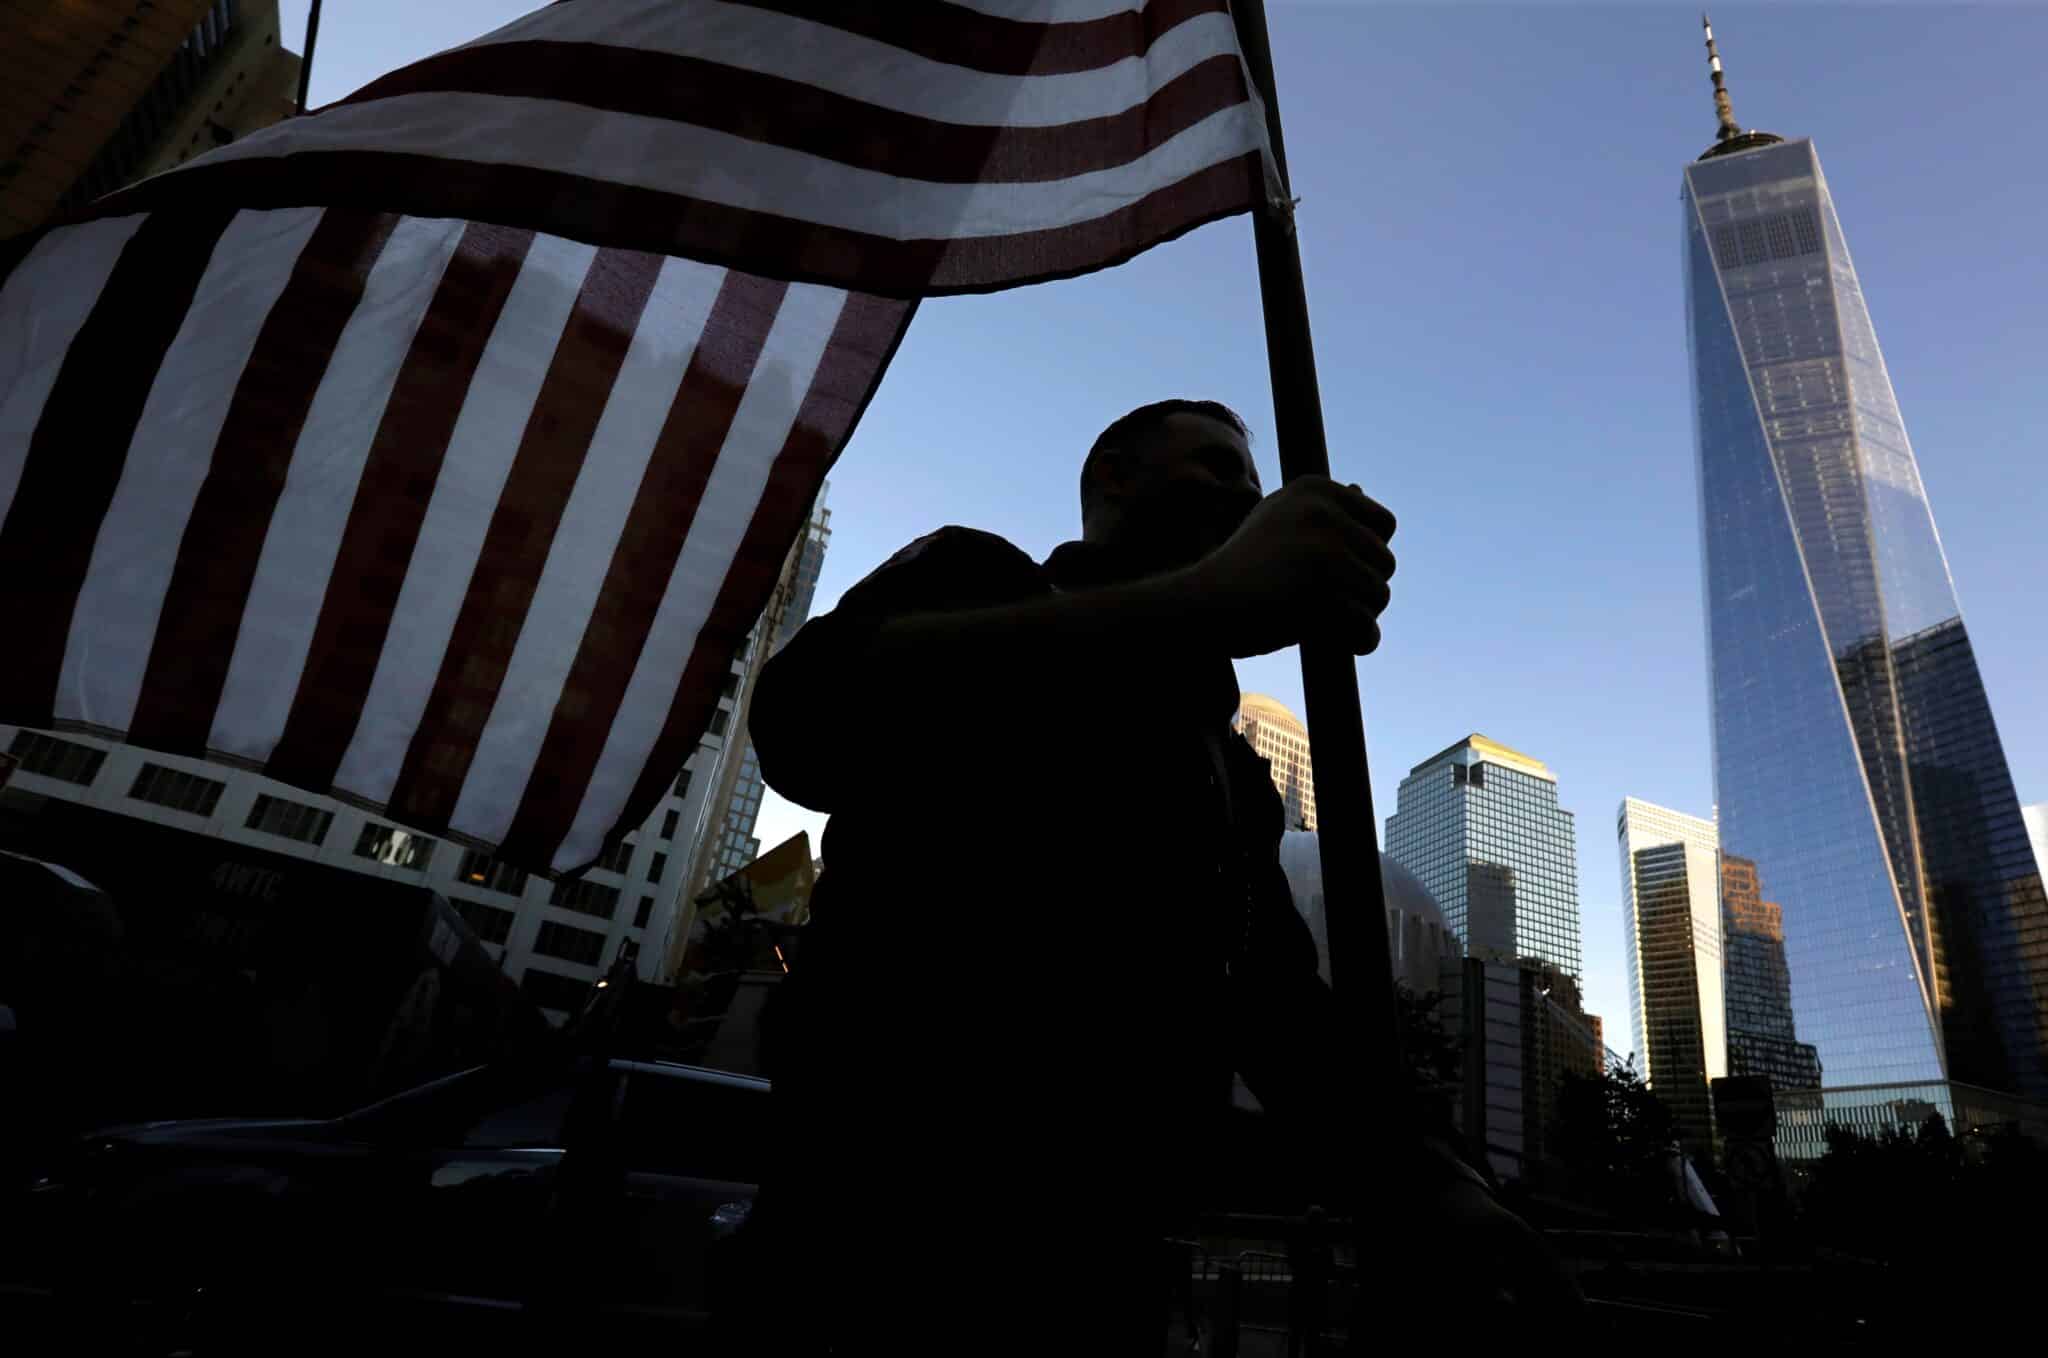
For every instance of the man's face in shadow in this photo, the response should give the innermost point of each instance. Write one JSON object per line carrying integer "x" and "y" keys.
{"x": 1177, "y": 493}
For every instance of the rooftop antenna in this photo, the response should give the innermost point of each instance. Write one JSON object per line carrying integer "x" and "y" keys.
{"x": 1723, "y": 109}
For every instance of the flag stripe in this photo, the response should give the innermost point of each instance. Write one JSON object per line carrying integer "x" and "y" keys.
{"x": 938, "y": 31}
{"x": 572, "y": 398}
{"x": 81, "y": 440}
{"x": 883, "y": 77}
{"x": 631, "y": 150}
{"x": 790, "y": 359}
{"x": 644, "y": 560}
{"x": 597, "y": 512}
{"x": 322, "y": 477}
{"x": 137, "y": 546}
{"x": 628, "y": 216}
{"x": 390, "y": 505}
{"x": 44, "y": 300}
{"x": 798, "y": 116}
{"x": 863, "y": 340}
{"x": 488, "y": 435}
{"x": 202, "y": 608}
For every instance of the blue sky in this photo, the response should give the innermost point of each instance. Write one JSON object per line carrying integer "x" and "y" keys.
{"x": 1490, "y": 230}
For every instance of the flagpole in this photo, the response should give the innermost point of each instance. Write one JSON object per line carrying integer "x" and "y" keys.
{"x": 306, "y": 57}
{"x": 1361, "y": 976}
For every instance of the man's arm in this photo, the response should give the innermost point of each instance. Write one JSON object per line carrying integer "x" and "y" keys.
{"x": 949, "y": 622}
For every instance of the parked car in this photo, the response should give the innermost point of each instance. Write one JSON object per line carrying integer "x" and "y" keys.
{"x": 599, "y": 1194}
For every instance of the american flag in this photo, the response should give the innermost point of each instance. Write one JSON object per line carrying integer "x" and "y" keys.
{"x": 438, "y": 450}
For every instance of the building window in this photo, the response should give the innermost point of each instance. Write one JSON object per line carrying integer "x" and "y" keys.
{"x": 64, "y": 760}
{"x": 719, "y": 720}
{"x": 491, "y": 924}
{"x": 646, "y": 909}
{"x": 683, "y": 783}
{"x": 657, "y": 867}
{"x": 398, "y": 848}
{"x": 480, "y": 869}
{"x": 552, "y": 990}
{"x": 290, "y": 820}
{"x": 176, "y": 789}
{"x": 669, "y": 821}
{"x": 731, "y": 687}
{"x": 586, "y": 897}
{"x": 617, "y": 856}
{"x": 569, "y": 943}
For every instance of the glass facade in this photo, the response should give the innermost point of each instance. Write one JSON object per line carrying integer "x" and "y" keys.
{"x": 1480, "y": 826}
{"x": 1675, "y": 952}
{"x": 1859, "y": 776}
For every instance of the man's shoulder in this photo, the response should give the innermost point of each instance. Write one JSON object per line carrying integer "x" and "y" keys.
{"x": 955, "y": 541}
{"x": 951, "y": 567}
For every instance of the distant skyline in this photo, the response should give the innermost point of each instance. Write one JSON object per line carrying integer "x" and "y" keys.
{"x": 1490, "y": 230}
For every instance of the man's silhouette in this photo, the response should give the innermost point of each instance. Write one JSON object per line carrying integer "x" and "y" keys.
{"x": 1052, "y": 921}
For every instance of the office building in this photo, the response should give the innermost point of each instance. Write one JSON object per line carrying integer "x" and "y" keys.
{"x": 1480, "y": 826}
{"x": 1672, "y": 946}
{"x": 1522, "y": 1031}
{"x": 736, "y": 844}
{"x": 102, "y": 93}
{"x": 1280, "y": 738}
{"x": 1856, "y": 763}
{"x": 554, "y": 938}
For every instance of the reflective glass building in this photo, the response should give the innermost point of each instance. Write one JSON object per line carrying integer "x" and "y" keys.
{"x": 1860, "y": 780}
{"x": 1480, "y": 826}
{"x": 1672, "y": 944}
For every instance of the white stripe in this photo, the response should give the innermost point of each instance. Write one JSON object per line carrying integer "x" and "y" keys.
{"x": 861, "y": 68}
{"x": 607, "y": 487}
{"x": 782, "y": 378}
{"x": 137, "y": 547}
{"x": 46, "y": 299}
{"x": 720, "y": 168}
{"x": 480, "y": 451}
{"x": 320, "y": 487}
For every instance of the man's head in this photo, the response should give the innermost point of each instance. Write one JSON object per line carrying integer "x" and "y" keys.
{"x": 1169, "y": 482}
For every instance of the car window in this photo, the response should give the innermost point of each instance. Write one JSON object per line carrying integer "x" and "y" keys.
{"x": 694, "y": 1129}
{"x": 530, "y": 1122}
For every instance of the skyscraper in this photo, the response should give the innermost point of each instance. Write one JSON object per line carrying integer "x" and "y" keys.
{"x": 1480, "y": 826}
{"x": 1856, "y": 763}
{"x": 1277, "y": 734}
{"x": 1672, "y": 944}
{"x": 2036, "y": 817}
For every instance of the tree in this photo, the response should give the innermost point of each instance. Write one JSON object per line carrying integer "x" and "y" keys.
{"x": 1615, "y": 1139}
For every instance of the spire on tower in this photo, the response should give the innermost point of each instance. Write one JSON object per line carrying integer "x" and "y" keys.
{"x": 1723, "y": 109}
{"x": 1730, "y": 138}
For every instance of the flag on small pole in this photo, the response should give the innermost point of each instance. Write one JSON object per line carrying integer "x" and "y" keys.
{"x": 437, "y": 449}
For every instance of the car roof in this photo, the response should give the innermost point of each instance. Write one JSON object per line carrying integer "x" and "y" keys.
{"x": 701, "y": 1074}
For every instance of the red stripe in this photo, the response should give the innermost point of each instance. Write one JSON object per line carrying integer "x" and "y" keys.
{"x": 397, "y": 485}
{"x": 628, "y": 217}
{"x": 565, "y": 414}
{"x": 802, "y": 117}
{"x": 642, "y": 563}
{"x": 862, "y": 344}
{"x": 80, "y": 445}
{"x": 223, "y": 540}
{"x": 982, "y": 42}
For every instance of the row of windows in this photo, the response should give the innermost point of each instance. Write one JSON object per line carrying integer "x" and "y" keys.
{"x": 177, "y": 789}
{"x": 491, "y": 924}
{"x": 480, "y": 869}
{"x": 290, "y": 820}
{"x": 585, "y": 897}
{"x": 569, "y": 943}
{"x": 64, "y": 760}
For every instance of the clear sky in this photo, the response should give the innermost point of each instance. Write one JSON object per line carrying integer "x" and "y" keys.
{"x": 1490, "y": 230}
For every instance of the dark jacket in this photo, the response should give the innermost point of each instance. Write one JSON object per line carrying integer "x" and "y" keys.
{"x": 1051, "y": 924}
